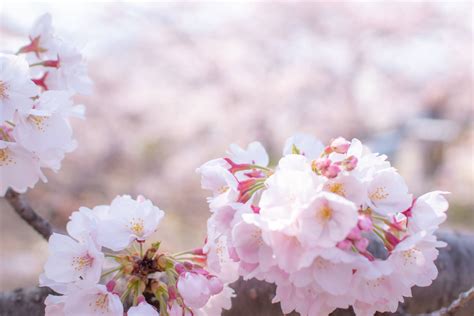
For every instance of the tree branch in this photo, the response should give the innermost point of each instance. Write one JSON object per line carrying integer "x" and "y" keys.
{"x": 21, "y": 207}
{"x": 456, "y": 306}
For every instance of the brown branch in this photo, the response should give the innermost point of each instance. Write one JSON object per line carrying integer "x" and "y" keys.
{"x": 21, "y": 207}
{"x": 456, "y": 306}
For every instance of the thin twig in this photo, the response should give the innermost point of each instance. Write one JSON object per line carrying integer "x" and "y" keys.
{"x": 456, "y": 305}
{"x": 22, "y": 208}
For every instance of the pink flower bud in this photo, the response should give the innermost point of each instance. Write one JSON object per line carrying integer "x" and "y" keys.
{"x": 350, "y": 163}
{"x": 321, "y": 164}
{"x": 110, "y": 285}
{"x": 344, "y": 245}
{"x": 392, "y": 239}
{"x": 361, "y": 244}
{"x": 215, "y": 285}
{"x": 355, "y": 234}
{"x": 340, "y": 145}
{"x": 255, "y": 209}
{"x": 180, "y": 268}
{"x": 51, "y": 63}
{"x": 332, "y": 171}
{"x": 188, "y": 265}
{"x": 328, "y": 150}
{"x": 198, "y": 251}
{"x": 172, "y": 293}
{"x": 365, "y": 223}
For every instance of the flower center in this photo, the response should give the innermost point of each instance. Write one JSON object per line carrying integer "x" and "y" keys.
{"x": 222, "y": 189}
{"x": 410, "y": 256}
{"x": 101, "y": 303}
{"x": 321, "y": 264}
{"x": 40, "y": 122}
{"x": 337, "y": 188}
{"x": 137, "y": 226}
{"x": 379, "y": 194}
{"x": 82, "y": 262}
{"x": 3, "y": 90}
{"x": 257, "y": 236}
{"x": 325, "y": 213}
{"x": 5, "y": 158}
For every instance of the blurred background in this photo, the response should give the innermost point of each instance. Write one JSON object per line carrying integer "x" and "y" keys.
{"x": 175, "y": 84}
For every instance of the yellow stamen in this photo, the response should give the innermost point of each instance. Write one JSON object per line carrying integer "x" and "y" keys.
{"x": 3, "y": 90}
{"x": 40, "y": 122}
{"x": 379, "y": 194}
{"x": 82, "y": 262}
{"x": 337, "y": 188}
{"x": 5, "y": 158}
{"x": 324, "y": 213}
{"x": 101, "y": 303}
{"x": 137, "y": 226}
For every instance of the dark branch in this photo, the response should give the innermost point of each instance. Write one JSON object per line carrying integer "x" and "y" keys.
{"x": 458, "y": 305}
{"x": 22, "y": 208}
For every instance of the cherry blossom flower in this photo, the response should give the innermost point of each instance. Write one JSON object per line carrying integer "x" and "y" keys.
{"x": 54, "y": 305}
{"x": 71, "y": 261}
{"x": 93, "y": 301}
{"x": 291, "y": 186}
{"x": 33, "y": 121}
{"x": 347, "y": 186}
{"x": 254, "y": 154}
{"x": 70, "y": 72}
{"x": 217, "y": 303}
{"x": 327, "y": 220}
{"x": 388, "y": 193}
{"x": 428, "y": 211}
{"x": 46, "y": 130}
{"x": 307, "y": 226}
{"x": 143, "y": 309}
{"x": 19, "y": 168}
{"x": 85, "y": 273}
{"x": 194, "y": 288}
{"x": 128, "y": 220}
{"x": 216, "y": 178}
{"x": 16, "y": 87}
{"x": 84, "y": 224}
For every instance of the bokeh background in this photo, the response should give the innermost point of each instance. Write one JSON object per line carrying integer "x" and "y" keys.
{"x": 175, "y": 84}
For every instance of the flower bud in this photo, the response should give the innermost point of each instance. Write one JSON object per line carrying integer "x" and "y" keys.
{"x": 344, "y": 245}
{"x": 215, "y": 285}
{"x": 365, "y": 223}
{"x": 355, "y": 234}
{"x": 111, "y": 285}
{"x": 392, "y": 239}
{"x": 340, "y": 145}
{"x": 332, "y": 171}
{"x": 350, "y": 163}
{"x": 179, "y": 267}
{"x": 361, "y": 244}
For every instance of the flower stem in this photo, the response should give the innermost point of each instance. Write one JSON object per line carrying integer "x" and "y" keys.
{"x": 111, "y": 271}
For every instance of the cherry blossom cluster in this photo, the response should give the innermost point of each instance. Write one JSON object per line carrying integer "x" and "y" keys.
{"x": 107, "y": 265}
{"x": 331, "y": 226}
{"x": 36, "y": 87}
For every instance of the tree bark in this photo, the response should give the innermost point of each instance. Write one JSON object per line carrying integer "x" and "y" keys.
{"x": 25, "y": 211}
{"x": 456, "y": 275}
